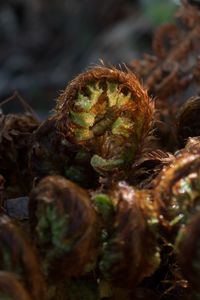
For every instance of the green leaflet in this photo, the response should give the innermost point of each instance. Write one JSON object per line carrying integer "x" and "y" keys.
{"x": 104, "y": 205}
{"x": 99, "y": 163}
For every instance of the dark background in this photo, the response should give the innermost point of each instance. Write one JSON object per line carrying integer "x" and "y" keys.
{"x": 45, "y": 43}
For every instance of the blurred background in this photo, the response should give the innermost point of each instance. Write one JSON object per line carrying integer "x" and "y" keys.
{"x": 45, "y": 43}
